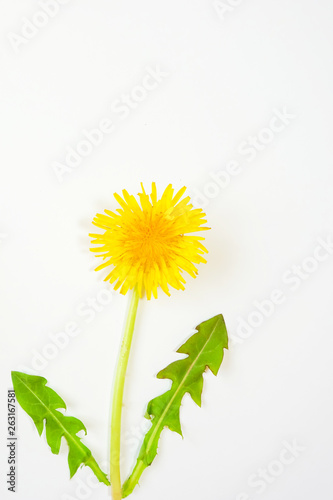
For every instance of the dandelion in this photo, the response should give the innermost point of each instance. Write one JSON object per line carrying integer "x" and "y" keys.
{"x": 148, "y": 244}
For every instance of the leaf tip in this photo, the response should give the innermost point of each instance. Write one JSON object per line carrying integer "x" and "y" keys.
{"x": 15, "y": 375}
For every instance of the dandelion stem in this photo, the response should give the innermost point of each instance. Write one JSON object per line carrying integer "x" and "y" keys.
{"x": 117, "y": 400}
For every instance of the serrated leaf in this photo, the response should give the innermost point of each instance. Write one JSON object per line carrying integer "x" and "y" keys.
{"x": 42, "y": 403}
{"x": 204, "y": 350}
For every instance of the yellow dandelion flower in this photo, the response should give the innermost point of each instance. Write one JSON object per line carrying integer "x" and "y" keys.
{"x": 149, "y": 246}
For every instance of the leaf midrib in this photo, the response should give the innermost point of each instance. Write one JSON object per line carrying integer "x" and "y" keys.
{"x": 66, "y": 432}
{"x": 161, "y": 418}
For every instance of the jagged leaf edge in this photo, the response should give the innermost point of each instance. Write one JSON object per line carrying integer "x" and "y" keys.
{"x": 128, "y": 487}
{"x": 42, "y": 423}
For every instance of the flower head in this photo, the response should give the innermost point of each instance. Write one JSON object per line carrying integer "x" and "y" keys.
{"x": 148, "y": 244}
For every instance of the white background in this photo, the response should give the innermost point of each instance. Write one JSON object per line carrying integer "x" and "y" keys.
{"x": 228, "y": 73}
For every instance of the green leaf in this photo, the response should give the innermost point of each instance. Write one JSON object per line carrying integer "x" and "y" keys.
{"x": 204, "y": 350}
{"x": 42, "y": 403}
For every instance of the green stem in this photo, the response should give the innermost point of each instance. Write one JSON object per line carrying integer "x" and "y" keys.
{"x": 117, "y": 401}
